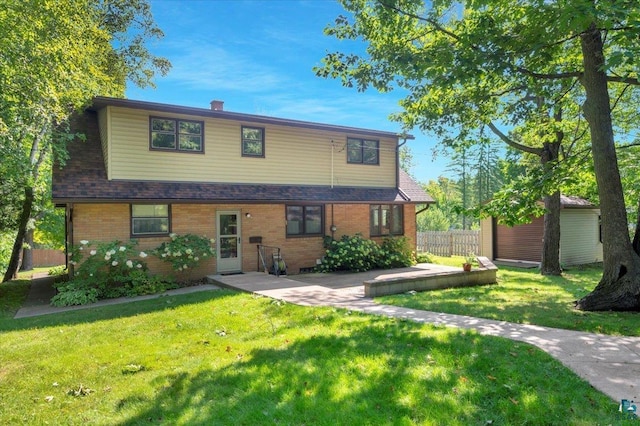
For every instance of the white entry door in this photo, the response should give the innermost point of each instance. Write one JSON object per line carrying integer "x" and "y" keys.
{"x": 229, "y": 250}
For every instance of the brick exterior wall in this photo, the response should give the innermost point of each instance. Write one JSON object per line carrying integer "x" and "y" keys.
{"x": 109, "y": 222}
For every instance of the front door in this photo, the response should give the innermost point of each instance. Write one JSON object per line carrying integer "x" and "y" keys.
{"x": 229, "y": 253}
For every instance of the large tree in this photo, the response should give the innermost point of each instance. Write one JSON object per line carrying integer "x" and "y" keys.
{"x": 500, "y": 63}
{"x": 55, "y": 56}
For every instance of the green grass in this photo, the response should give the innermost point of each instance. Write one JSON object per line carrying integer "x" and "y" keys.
{"x": 230, "y": 358}
{"x": 524, "y": 296}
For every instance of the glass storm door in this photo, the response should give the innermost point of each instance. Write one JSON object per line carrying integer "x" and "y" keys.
{"x": 229, "y": 255}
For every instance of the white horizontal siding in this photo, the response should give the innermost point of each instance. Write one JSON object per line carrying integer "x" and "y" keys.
{"x": 292, "y": 155}
{"x": 580, "y": 237}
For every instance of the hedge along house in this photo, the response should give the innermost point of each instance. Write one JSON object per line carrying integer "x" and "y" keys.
{"x": 580, "y": 241}
{"x": 149, "y": 169}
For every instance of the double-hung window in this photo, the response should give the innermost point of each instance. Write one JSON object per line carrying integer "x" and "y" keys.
{"x": 386, "y": 219}
{"x": 150, "y": 219}
{"x": 252, "y": 141}
{"x": 176, "y": 135}
{"x": 305, "y": 220}
{"x": 363, "y": 151}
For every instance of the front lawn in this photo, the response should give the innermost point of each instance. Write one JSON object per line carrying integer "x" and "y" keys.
{"x": 231, "y": 358}
{"x": 524, "y": 296}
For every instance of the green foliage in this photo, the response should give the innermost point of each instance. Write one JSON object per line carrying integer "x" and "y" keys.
{"x": 396, "y": 252}
{"x": 6, "y": 244}
{"x": 357, "y": 254}
{"x": 424, "y": 257}
{"x": 52, "y": 64}
{"x": 111, "y": 269}
{"x": 185, "y": 252}
{"x": 76, "y": 292}
{"x": 49, "y": 229}
{"x": 57, "y": 270}
{"x": 350, "y": 253}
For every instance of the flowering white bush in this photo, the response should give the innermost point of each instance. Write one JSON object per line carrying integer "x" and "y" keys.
{"x": 185, "y": 252}
{"x": 104, "y": 270}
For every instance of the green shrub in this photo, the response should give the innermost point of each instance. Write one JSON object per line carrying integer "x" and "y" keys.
{"x": 396, "y": 252}
{"x": 105, "y": 271}
{"x": 185, "y": 252}
{"x": 356, "y": 254}
{"x": 425, "y": 257}
{"x": 76, "y": 292}
{"x": 142, "y": 283}
{"x": 56, "y": 271}
{"x": 350, "y": 253}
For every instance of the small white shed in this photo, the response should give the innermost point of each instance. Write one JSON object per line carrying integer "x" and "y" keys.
{"x": 580, "y": 241}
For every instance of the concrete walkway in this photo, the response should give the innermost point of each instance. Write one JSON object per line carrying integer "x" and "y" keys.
{"x": 611, "y": 364}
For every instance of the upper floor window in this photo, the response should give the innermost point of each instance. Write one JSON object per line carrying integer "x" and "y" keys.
{"x": 304, "y": 220}
{"x": 252, "y": 141}
{"x": 176, "y": 134}
{"x": 149, "y": 219}
{"x": 363, "y": 151}
{"x": 386, "y": 219}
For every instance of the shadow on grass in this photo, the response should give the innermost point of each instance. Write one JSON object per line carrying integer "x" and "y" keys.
{"x": 99, "y": 313}
{"x": 375, "y": 375}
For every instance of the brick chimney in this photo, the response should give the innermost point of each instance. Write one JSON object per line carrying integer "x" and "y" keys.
{"x": 217, "y": 105}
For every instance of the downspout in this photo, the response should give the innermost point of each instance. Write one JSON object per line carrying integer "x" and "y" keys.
{"x": 398, "y": 146}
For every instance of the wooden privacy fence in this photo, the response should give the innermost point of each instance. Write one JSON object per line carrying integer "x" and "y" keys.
{"x": 449, "y": 243}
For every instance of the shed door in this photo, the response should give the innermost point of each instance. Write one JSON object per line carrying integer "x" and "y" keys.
{"x": 521, "y": 242}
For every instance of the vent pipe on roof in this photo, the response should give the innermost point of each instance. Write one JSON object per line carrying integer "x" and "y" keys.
{"x": 217, "y": 105}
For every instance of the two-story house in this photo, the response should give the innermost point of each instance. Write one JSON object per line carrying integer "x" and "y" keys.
{"x": 149, "y": 169}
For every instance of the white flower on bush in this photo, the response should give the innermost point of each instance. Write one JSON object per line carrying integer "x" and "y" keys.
{"x": 139, "y": 266}
{"x": 172, "y": 236}
{"x": 122, "y": 248}
{"x": 188, "y": 251}
{"x": 73, "y": 262}
{"x": 129, "y": 264}
{"x": 107, "y": 257}
{"x": 143, "y": 254}
{"x": 185, "y": 267}
{"x": 92, "y": 252}
{"x": 196, "y": 259}
{"x": 164, "y": 254}
{"x": 114, "y": 263}
{"x": 177, "y": 254}
{"x": 84, "y": 242}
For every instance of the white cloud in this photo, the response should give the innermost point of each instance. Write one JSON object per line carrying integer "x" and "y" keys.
{"x": 207, "y": 67}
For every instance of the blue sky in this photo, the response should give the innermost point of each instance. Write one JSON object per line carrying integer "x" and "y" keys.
{"x": 257, "y": 57}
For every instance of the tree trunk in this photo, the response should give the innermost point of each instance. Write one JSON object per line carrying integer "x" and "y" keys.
{"x": 14, "y": 262}
{"x": 27, "y": 253}
{"x": 550, "y": 264}
{"x": 619, "y": 288}
{"x": 636, "y": 235}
